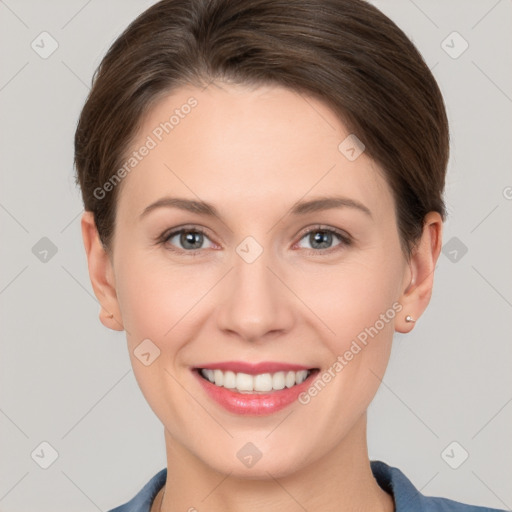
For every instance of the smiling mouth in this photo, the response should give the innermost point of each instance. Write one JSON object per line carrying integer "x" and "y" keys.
{"x": 261, "y": 383}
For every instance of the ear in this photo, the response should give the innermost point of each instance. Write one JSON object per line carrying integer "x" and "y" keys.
{"x": 101, "y": 273}
{"x": 419, "y": 278}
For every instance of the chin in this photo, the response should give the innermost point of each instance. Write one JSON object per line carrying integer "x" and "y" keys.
{"x": 249, "y": 463}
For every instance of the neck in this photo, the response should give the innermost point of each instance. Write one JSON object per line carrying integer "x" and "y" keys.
{"x": 339, "y": 480}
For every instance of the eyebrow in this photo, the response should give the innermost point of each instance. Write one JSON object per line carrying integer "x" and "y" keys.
{"x": 300, "y": 208}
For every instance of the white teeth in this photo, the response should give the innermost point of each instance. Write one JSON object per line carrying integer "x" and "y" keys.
{"x": 244, "y": 382}
{"x": 289, "y": 380}
{"x": 303, "y": 375}
{"x": 209, "y": 374}
{"x": 264, "y": 382}
{"x": 219, "y": 377}
{"x": 278, "y": 380}
{"x": 229, "y": 380}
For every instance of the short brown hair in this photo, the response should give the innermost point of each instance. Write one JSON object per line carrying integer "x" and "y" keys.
{"x": 345, "y": 52}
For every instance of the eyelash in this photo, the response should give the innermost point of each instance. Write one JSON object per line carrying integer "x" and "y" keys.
{"x": 345, "y": 239}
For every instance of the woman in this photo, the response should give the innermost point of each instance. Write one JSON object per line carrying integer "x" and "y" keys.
{"x": 263, "y": 188}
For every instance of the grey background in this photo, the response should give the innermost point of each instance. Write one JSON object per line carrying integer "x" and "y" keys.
{"x": 67, "y": 380}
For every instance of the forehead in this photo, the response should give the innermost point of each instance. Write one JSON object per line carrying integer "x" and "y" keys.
{"x": 249, "y": 148}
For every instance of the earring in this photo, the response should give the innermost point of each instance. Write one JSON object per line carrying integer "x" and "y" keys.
{"x": 409, "y": 318}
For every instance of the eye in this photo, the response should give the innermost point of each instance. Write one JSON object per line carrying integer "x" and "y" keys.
{"x": 321, "y": 239}
{"x": 188, "y": 240}
{"x": 191, "y": 240}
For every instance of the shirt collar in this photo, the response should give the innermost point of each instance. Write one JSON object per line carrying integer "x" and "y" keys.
{"x": 390, "y": 479}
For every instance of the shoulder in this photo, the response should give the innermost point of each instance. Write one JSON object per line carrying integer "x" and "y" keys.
{"x": 433, "y": 504}
{"x": 142, "y": 501}
{"x": 408, "y": 499}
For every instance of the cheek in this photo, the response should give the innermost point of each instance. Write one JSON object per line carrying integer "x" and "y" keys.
{"x": 360, "y": 306}
{"x": 154, "y": 297}
{"x": 157, "y": 304}
{"x": 352, "y": 299}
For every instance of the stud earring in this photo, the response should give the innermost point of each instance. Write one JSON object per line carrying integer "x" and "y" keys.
{"x": 409, "y": 318}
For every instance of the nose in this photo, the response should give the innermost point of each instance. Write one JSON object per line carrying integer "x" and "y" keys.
{"x": 257, "y": 304}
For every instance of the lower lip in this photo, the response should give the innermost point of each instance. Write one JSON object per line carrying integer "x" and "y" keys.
{"x": 251, "y": 403}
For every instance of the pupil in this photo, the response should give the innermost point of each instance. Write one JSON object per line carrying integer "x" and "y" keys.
{"x": 319, "y": 235}
{"x": 191, "y": 237}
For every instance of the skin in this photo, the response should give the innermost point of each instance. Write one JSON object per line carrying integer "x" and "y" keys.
{"x": 253, "y": 153}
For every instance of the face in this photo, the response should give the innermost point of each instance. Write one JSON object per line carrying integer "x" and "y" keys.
{"x": 265, "y": 278}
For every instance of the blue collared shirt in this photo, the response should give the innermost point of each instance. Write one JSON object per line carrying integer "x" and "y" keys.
{"x": 407, "y": 498}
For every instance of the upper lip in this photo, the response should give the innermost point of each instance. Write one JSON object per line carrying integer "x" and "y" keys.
{"x": 253, "y": 368}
